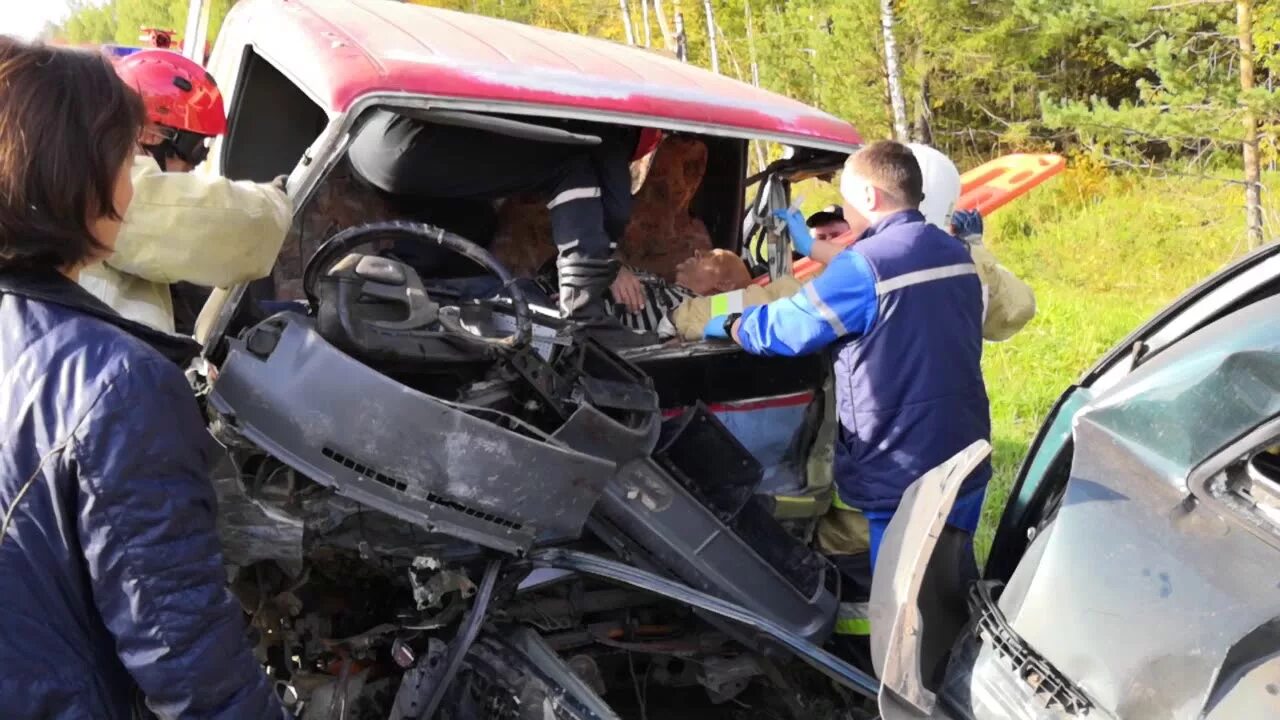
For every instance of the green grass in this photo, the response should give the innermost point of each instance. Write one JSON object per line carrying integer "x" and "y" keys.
{"x": 1103, "y": 253}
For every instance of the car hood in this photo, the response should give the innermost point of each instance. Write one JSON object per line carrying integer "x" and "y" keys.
{"x": 1143, "y": 598}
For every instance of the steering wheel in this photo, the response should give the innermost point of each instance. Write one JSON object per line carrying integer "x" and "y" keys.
{"x": 340, "y": 245}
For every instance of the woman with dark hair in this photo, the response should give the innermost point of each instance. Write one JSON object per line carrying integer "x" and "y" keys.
{"x": 113, "y": 580}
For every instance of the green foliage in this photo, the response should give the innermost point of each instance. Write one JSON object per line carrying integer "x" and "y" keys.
{"x": 133, "y": 15}
{"x": 1127, "y": 77}
{"x": 1188, "y": 99}
{"x": 89, "y": 24}
{"x": 985, "y": 77}
{"x": 1103, "y": 252}
{"x": 582, "y": 17}
{"x": 121, "y": 21}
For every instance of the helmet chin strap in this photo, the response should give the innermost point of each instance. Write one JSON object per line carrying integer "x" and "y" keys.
{"x": 167, "y": 148}
{"x": 161, "y": 152}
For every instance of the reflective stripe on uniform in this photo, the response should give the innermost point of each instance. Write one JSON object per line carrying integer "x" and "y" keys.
{"x": 825, "y": 310}
{"x": 725, "y": 303}
{"x": 853, "y": 619}
{"x": 574, "y": 194}
{"x": 837, "y": 502}
{"x": 923, "y": 276}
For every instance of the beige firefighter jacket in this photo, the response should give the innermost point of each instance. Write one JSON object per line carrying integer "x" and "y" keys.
{"x": 692, "y": 315}
{"x": 1008, "y": 302}
{"x": 188, "y": 227}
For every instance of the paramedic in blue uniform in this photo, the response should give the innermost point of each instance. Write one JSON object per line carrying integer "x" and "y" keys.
{"x": 900, "y": 311}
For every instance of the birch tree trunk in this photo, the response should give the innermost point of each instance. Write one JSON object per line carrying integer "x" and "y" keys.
{"x": 711, "y": 36}
{"x": 923, "y": 130}
{"x": 1252, "y": 170}
{"x": 626, "y": 22}
{"x": 893, "y": 72}
{"x": 761, "y": 160}
{"x": 668, "y": 37}
{"x": 644, "y": 13}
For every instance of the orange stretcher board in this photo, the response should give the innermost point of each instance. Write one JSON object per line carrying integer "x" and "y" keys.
{"x": 986, "y": 188}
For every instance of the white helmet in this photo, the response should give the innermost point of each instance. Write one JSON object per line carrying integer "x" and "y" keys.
{"x": 941, "y": 185}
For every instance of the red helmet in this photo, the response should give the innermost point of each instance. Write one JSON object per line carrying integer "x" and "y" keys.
{"x": 177, "y": 92}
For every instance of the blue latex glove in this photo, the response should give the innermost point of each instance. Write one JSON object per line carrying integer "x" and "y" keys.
{"x": 714, "y": 329}
{"x": 801, "y": 240}
{"x": 967, "y": 225}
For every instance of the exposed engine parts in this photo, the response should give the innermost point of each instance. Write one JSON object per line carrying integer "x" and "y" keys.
{"x": 429, "y": 519}
{"x": 431, "y": 583}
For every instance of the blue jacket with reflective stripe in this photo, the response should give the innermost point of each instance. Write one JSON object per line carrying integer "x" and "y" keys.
{"x": 902, "y": 310}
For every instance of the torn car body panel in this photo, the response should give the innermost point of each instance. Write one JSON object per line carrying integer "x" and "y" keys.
{"x": 1172, "y": 583}
{"x": 1148, "y": 589}
{"x": 899, "y": 653}
{"x": 1042, "y": 473}
{"x": 400, "y": 451}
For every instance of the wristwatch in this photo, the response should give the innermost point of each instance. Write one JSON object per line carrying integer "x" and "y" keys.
{"x": 729, "y": 320}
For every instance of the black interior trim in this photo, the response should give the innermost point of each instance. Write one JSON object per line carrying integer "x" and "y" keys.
{"x": 729, "y": 377}
{"x": 272, "y": 123}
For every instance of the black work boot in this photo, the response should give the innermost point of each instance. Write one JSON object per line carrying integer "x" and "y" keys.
{"x": 584, "y": 282}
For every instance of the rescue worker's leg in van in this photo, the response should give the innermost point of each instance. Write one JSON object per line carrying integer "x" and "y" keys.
{"x": 612, "y": 162}
{"x": 851, "y": 539}
{"x": 590, "y": 207}
{"x": 584, "y": 257}
{"x": 844, "y": 536}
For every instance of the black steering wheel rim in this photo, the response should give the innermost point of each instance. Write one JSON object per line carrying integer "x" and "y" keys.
{"x": 344, "y": 242}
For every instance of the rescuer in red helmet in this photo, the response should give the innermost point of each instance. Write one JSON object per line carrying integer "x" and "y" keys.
{"x": 194, "y": 230}
{"x": 183, "y": 104}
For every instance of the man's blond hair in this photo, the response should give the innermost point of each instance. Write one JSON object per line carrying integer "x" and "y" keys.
{"x": 892, "y": 168}
{"x": 731, "y": 270}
